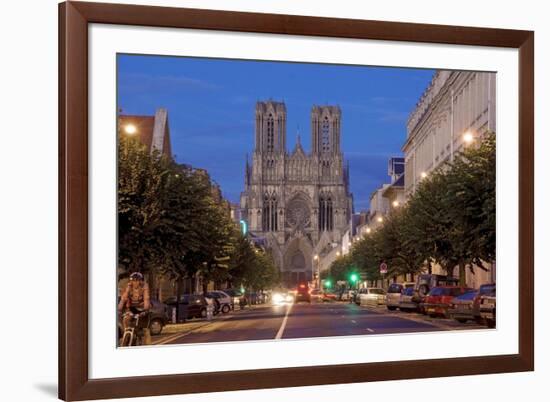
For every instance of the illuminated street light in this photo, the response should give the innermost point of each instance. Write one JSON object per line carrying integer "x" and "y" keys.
{"x": 468, "y": 137}
{"x": 395, "y": 203}
{"x": 130, "y": 129}
{"x": 315, "y": 257}
{"x": 368, "y": 230}
{"x": 423, "y": 175}
{"x": 337, "y": 254}
{"x": 380, "y": 219}
{"x": 244, "y": 227}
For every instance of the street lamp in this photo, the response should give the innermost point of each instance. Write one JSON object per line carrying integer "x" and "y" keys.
{"x": 130, "y": 129}
{"x": 468, "y": 138}
{"x": 369, "y": 230}
{"x": 380, "y": 219}
{"x": 337, "y": 254}
{"x": 423, "y": 175}
{"x": 316, "y": 259}
{"x": 395, "y": 204}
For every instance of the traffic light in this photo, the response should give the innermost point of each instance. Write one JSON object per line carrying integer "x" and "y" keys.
{"x": 353, "y": 278}
{"x": 328, "y": 283}
{"x": 244, "y": 227}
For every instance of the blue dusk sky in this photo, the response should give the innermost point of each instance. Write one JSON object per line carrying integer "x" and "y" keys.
{"x": 211, "y": 106}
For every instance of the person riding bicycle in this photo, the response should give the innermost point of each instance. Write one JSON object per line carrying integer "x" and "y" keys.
{"x": 136, "y": 300}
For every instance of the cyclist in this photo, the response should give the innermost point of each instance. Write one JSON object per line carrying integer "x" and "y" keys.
{"x": 136, "y": 299}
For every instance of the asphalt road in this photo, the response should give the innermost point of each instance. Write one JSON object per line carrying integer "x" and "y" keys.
{"x": 305, "y": 320}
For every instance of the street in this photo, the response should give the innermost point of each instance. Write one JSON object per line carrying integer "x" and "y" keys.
{"x": 305, "y": 320}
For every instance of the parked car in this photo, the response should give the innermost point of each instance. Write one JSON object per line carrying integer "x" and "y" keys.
{"x": 406, "y": 302}
{"x": 239, "y": 298}
{"x": 159, "y": 318}
{"x": 345, "y": 295}
{"x": 394, "y": 294}
{"x": 425, "y": 283}
{"x": 353, "y": 295}
{"x": 190, "y": 306}
{"x": 302, "y": 293}
{"x": 371, "y": 296}
{"x": 316, "y": 295}
{"x": 464, "y": 307}
{"x": 469, "y": 309}
{"x": 488, "y": 306}
{"x": 222, "y": 301}
{"x": 328, "y": 296}
{"x": 439, "y": 299}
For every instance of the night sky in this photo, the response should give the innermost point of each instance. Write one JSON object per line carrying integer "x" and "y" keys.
{"x": 211, "y": 104}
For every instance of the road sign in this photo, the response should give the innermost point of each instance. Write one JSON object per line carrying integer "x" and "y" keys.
{"x": 383, "y": 268}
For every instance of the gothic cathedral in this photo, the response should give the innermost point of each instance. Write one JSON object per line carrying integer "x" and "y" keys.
{"x": 299, "y": 203}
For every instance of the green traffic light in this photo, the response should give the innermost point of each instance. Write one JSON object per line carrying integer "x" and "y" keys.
{"x": 353, "y": 278}
{"x": 328, "y": 283}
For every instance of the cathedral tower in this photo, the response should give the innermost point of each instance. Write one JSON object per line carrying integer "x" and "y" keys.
{"x": 270, "y": 127}
{"x": 325, "y": 130}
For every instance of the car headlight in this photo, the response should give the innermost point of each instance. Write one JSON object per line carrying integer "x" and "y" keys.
{"x": 278, "y": 298}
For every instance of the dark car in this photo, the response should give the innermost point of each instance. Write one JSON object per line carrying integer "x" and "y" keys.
{"x": 302, "y": 293}
{"x": 488, "y": 306}
{"x": 438, "y": 301}
{"x": 159, "y": 318}
{"x": 190, "y": 306}
{"x": 464, "y": 307}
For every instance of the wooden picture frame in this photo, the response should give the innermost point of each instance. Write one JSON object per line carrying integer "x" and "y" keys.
{"x": 74, "y": 381}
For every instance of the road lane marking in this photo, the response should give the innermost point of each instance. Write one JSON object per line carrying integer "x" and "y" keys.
{"x": 283, "y": 324}
{"x": 171, "y": 338}
{"x": 370, "y": 330}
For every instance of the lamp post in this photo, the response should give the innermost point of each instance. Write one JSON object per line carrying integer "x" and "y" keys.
{"x": 318, "y": 276}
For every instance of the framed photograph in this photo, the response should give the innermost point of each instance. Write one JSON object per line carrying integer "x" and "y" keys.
{"x": 263, "y": 200}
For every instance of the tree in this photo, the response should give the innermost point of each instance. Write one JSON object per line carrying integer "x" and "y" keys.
{"x": 395, "y": 246}
{"x": 451, "y": 216}
{"x": 449, "y": 220}
{"x": 364, "y": 256}
{"x": 251, "y": 267}
{"x": 169, "y": 221}
{"x": 141, "y": 178}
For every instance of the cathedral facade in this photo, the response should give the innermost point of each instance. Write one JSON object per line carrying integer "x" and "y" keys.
{"x": 299, "y": 203}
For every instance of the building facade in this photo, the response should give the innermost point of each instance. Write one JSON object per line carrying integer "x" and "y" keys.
{"x": 456, "y": 108}
{"x": 299, "y": 202}
{"x": 455, "y": 111}
{"x": 152, "y": 131}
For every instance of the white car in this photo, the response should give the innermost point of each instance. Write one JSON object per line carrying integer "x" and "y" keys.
{"x": 225, "y": 301}
{"x": 371, "y": 297}
{"x": 394, "y": 294}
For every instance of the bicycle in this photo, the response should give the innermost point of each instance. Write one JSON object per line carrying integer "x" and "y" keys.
{"x": 133, "y": 333}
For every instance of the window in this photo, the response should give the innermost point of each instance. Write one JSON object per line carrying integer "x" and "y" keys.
{"x": 325, "y": 213}
{"x": 325, "y": 136}
{"x": 270, "y": 214}
{"x": 270, "y": 134}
